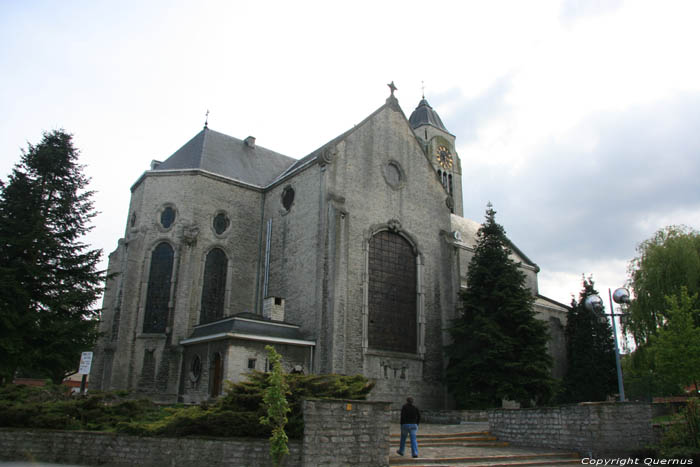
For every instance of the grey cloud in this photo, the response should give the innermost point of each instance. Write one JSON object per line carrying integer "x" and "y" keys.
{"x": 569, "y": 205}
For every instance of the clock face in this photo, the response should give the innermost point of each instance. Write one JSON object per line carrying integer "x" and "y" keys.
{"x": 444, "y": 157}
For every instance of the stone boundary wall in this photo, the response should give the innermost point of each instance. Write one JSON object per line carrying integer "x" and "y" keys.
{"x": 336, "y": 433}
{"x": 346, "y": 433}
{"x": 96, "y": 448}
{"x": 446, "y": 417}
{"x": 589, "y": 428}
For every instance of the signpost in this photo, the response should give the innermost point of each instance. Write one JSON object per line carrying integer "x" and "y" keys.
{"x": 85, "y": 364}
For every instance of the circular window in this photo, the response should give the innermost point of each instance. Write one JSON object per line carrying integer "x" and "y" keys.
{"x": 221, "y": 223}
{"x": 195, "y": 368}
{"x": 288, "y": 197}
{"x": 393, "y": 175}
{"x": 167, "y": 217}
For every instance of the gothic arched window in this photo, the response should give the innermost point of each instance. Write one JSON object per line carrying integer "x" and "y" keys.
{"x": 392, "y": 293}
{"x": 214, "y": 286}
{"x": 158, "y": 294}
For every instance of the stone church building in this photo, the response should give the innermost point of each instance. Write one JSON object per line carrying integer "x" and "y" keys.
{"x": 348, "y": 261}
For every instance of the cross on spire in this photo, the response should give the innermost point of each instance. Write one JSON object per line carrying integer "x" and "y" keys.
{"x": 206, "y": 119}
{"x": 392, "y": 87}
{"x": 422, "y": 88}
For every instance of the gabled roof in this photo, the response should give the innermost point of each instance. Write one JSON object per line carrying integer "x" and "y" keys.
{"x": 391, "y": 103}
{"x": 228, "y": 156}
{"x": 468, "y": 230}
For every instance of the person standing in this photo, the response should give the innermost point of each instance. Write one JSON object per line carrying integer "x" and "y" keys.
{"x": 410, "y": 419}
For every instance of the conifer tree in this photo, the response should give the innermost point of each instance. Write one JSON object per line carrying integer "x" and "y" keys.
{"x": 499, "y": 348}
{"x": 590, "y": 350}
{"x": 49, "y": 280}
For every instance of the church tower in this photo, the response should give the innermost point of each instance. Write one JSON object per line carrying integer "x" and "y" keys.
{"x": 439, "y": 145}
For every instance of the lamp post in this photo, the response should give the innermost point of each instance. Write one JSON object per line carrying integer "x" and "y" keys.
{"x": 595, "y": 304}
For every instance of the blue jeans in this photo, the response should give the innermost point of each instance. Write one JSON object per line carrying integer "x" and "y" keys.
{"x": 406, "y": 429}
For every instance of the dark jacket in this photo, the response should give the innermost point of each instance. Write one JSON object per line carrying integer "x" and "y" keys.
{"x": 410, "y": 414}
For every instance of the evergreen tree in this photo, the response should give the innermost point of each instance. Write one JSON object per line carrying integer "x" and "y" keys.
{"x": 591, "y": 374}
{"x": 499, "y": 349}
{"x": 48, "y": 277}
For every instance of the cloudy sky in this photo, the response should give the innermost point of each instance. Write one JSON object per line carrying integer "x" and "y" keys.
{"x": 578, "y": 120}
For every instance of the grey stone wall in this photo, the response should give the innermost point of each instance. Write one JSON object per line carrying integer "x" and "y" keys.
{"x": 336, "y": 433}
{"x": 345, "y": 433}
{"x": 592, "y": 428}
{"x": 90, "y": 448}
{"x": 446, "y": 417}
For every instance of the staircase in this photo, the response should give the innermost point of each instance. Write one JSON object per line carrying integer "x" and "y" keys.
{"x": 474, "y": 449}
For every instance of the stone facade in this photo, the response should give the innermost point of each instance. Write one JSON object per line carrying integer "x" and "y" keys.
{"x": 593, "y": 429}
{"x": 310, "y": 243}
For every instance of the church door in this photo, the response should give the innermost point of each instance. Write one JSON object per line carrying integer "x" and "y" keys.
{"x": 217, "y": 373}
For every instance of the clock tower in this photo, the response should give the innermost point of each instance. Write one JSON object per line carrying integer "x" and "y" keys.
{"x": 439, "y": 145}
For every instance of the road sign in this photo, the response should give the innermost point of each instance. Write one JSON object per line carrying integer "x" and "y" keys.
{"x": 85, "y": 363}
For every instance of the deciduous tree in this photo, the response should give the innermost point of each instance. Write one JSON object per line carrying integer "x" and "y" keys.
{"x": 667, "y": 261}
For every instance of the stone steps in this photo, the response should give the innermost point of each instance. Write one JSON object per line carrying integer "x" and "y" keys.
{"x": 473, "y": 449}
{"x": 490, "y": 461}
{"x": 466, "y": 439}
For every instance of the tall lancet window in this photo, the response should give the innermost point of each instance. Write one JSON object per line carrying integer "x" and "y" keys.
{"x": 214, "y": 287}
{"x": 392, "y": 294}
{"x": 158, "y": 294}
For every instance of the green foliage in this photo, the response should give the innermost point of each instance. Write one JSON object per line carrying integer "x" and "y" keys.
{"x": 276, "y": 406}
{"x": 670, "y": 360}
{"x": 591, "y": 374}
{"x": 499, "y": 349}
{"x": 666, "y": 262}
{"x": 642, "y": 380}
{"x": 48, "y": 277}
{"x": 52, "y": 406}
{"x": 676, "y": 346}
{"x": 237, "y": 414}
{"x": 682, "y": 438}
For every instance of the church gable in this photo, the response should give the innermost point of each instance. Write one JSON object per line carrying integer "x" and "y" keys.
{"x": 380, "y": 162}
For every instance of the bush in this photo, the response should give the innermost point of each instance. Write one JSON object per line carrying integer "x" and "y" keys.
{"x": 237, "y": 413}
{"x": 682, "y": 439}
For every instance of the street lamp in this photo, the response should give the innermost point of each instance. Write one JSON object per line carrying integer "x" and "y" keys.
{"x": 595, "y": 304}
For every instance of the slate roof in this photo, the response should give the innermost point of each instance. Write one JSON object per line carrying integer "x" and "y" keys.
{"x": 246, "y": 325}
{"x": 228, "y": 156}
{"x": 469, "y": 228}
{"x": 425, "y": 115}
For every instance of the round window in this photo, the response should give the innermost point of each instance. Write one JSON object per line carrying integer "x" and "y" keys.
{"x": 221, "y": 223}
{"x": 288, "y": 197}
{"x": 394, "y": 175}
{"x": 167, "y": 217}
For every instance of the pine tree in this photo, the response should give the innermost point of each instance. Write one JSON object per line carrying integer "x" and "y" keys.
{"x": 591, "y": 374}
{"x": 499, "y": 348}
{"x": 49, "y": 280}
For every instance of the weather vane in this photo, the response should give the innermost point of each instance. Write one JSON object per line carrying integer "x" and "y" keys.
{"x": 392, "y": 87}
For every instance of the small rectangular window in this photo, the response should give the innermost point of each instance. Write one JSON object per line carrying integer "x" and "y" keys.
{"x": 251, "y": 363}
